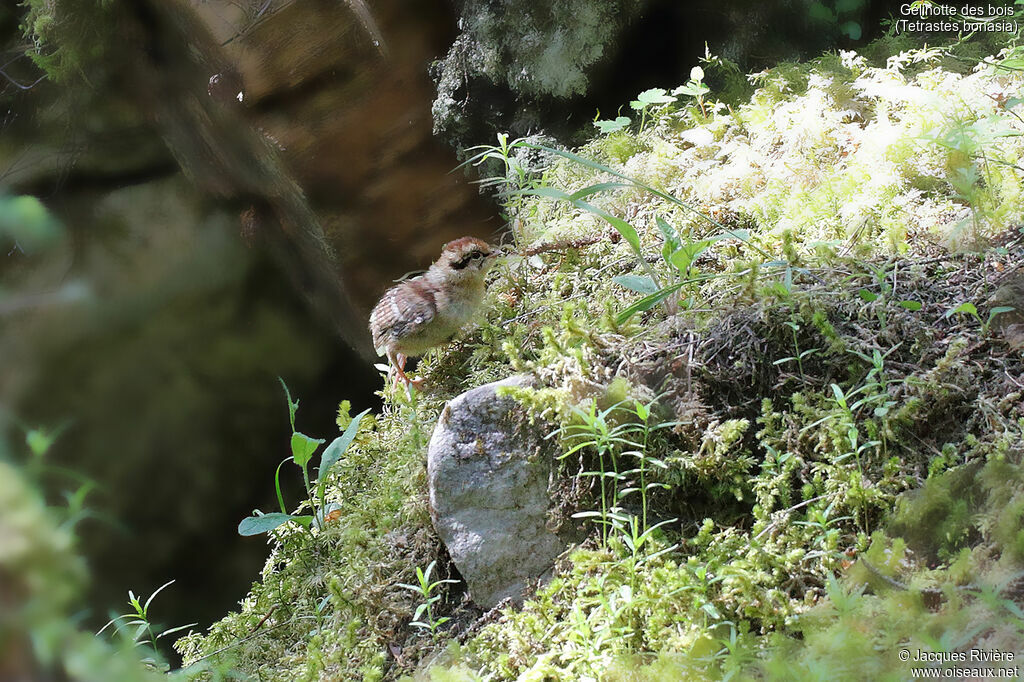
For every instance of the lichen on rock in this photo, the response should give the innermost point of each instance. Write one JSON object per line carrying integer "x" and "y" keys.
{"x": 489, "y": 470}
{"x": 532, "y": 50}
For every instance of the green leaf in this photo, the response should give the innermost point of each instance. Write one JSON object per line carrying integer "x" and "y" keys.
{"x": 39, "y": 441}
{"x": 254, "y": 525}
{"x": 594, "y": 189}
{"x": 547, "y": 192}
{"x": 710, "y": 609}
{"x": 867, "y": 295}
{"x": 968, "y": 308}
{"x": 171, "y": 631}
{"x": 277, "y": 485}
{"x": 684, "y": 257}
{"x": 912, "y": 306}
{"x": 655, "y": 96}
{"x": 1012, "y": 64}
{"x": 668, "y": 233}
{"x": 293, "y": 407}
{"x": 999, "y": 310}
{"x": 339, "y": 446}
{"x": 840, "y": 396}
{"x": 692, "y": 89}
{"x": 637, "y": 283}
{"x": 627, "y": 231}
{"x": 618, "y": 124}
{"x": 303, "y": 447}
{"x": 648, "y": 302}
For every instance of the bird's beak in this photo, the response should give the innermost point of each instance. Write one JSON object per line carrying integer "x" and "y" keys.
{"x": 497, "y": 252}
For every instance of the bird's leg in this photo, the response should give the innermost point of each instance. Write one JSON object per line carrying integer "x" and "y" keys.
{"x": 416, "y": 383}
{"x": 398, "y": 363}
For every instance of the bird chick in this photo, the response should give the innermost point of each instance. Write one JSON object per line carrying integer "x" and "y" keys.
{"x": 427, "y": 311}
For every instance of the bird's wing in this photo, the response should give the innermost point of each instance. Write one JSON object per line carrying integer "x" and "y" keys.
{"x": 403, "y": 311}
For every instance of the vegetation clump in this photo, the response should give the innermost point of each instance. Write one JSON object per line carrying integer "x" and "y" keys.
{"x": 778, "y": 344}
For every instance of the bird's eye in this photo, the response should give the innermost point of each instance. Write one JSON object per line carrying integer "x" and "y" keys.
{"x": 477, "y": 255}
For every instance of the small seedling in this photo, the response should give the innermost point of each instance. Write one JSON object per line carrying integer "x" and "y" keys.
{"x": 647, "y": 100}
{"x": 695, "y": 88}
{"x": 303, "y": 447}
{"x": 969, "y": 308}
{"x": 144, "y": 634}
{"x": 425, "y": 589}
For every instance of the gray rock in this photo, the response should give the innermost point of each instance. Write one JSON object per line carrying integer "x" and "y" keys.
{"x": 489, "y": 470}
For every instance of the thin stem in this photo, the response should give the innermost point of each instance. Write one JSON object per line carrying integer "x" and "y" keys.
{"x": 643, "y": 481}
{"x": 604, "y": 502}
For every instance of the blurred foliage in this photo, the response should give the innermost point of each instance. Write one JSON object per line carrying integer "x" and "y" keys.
{"x": 26, "y": 225}
{"x": 41, "y": 584}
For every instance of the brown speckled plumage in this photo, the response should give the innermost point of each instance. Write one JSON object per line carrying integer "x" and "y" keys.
{"x": 428, "y": 310}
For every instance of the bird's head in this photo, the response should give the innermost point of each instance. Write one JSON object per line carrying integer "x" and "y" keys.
{"x": 465, "y": 258}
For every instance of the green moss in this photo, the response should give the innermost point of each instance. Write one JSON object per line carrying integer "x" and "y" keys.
{"x": 797, "y": 393}
{"x": 71, "y": 38}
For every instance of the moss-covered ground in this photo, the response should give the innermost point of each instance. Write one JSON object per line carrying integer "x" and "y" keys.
{"x": 818, "y": 411}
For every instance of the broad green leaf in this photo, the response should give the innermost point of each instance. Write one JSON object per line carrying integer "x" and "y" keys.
{"x": 340, "y": 445}
{"x": 999, "y": 310}
{"x": 655, "y": 96}
{"x": 254, "y": 525}
{"x": 684, "y": 257}
{"x": 618, "y": 124}
{"x": 303, "y": 448}
{"x": 637, "y": 283}
{"x": 968, "y": 308}
{"x": 692, "y": 89}
{"x": 867, "y": 295}
{"x": 688, "y": 90}
{"x": 1012, "y": 64}
{"x": 912, "y": 306}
